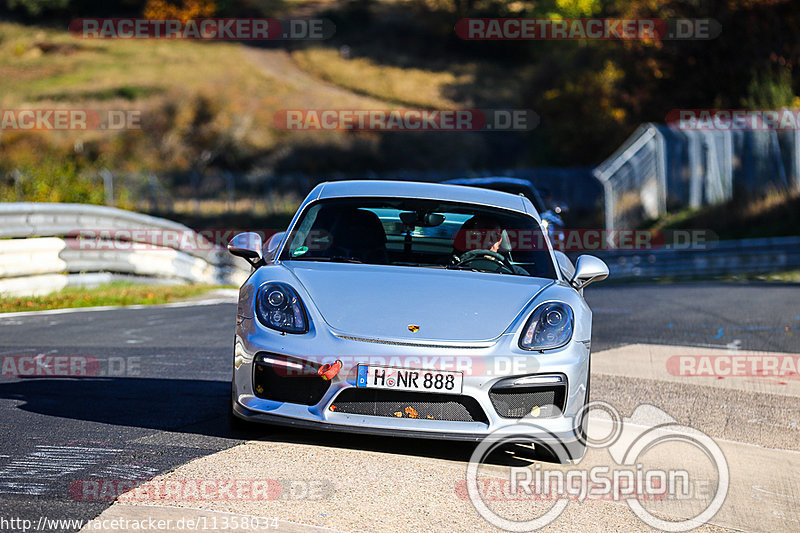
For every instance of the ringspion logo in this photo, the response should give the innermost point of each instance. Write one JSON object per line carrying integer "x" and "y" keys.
{"x": 632, "y": 476}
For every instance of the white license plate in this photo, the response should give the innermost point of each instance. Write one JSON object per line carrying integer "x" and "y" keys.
{"x": 384, "y": 377}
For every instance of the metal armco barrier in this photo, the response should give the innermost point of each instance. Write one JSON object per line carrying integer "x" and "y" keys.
{"x": 39, "y": 255}
{"x": 746, "y": 256}
{"x": 39, "y": 251}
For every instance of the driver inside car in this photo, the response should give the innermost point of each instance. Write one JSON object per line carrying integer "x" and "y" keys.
{"x": 482, "y": 243}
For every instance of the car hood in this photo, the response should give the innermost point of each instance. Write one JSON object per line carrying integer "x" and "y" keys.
{"x": 381, "y": 302}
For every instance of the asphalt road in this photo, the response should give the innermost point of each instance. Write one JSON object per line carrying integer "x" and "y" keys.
{"x": 159, "y": 396}
{"x": 157, "y": 401}
{"x": 752, "y": 316}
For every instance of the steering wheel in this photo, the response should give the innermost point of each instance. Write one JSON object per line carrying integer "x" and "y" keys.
{"x": 496, "y": 261}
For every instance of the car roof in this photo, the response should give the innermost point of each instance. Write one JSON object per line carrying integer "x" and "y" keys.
{"x": 423, "y": 190}
{"x": 494, "y": 181}
{"x": 490, "y": 180}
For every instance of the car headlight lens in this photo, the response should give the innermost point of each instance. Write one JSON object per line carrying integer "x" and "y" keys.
{"x": 550, "y": 326}
{"x": 278, "y": 307}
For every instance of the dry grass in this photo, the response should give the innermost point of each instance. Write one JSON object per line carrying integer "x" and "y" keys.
{"x": 49, "y": 68}
{"x": 276, "y": 204}
{"x": 84, "y": 67}
{"x": 775, "y": 214}
{"x": 790, "y": 276}
{"x": 112, "y": 294}
{"x": 142, "y": 75}
{"x": 217, "y": 98}
{"x": 774, "y": 199}
{"x": 405, "y": 86}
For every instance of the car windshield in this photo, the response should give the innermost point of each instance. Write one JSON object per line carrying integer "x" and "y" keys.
{"x": 420, "y": 233}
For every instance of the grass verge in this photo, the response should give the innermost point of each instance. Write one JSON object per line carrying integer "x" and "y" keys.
{"x": 118, "y": 293}
{"x": 412, "y": 87}
{"x": 777, "y": 214}
{"x": 789, "y": 276}
{"x": 187, "y": 93}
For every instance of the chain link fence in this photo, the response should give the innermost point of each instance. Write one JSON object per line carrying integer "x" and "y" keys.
{"x": 661, "y": 169}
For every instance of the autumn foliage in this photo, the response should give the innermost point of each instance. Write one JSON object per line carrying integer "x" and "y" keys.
{"x": 183, "y": 10}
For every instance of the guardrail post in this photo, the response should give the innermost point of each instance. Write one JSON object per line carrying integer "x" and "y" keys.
{"x": 108, "y": 185}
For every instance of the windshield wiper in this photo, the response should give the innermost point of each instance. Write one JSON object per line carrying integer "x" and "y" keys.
{"x": 335, "y": 259}
{"x": 471, "y": 269}
{"x": 413, "y": 264}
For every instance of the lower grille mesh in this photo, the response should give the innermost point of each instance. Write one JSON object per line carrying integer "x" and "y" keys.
{"x": 538, "y": 402}
{"x": 421, "y": 405}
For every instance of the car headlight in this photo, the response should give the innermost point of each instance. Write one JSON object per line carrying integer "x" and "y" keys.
{"x": 550, "y": 326}
{"x": 278, "y": 307}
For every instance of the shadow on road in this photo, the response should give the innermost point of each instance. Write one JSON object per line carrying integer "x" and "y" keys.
{"x": 201, "y": 407}
{"x": 187, "y": 406}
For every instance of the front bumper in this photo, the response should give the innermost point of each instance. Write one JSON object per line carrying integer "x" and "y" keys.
{"x": 484, "y": 367}
{"x": 267, "y": 418}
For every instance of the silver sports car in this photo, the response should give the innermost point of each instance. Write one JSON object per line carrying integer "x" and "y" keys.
{"x": 414, "y": 309}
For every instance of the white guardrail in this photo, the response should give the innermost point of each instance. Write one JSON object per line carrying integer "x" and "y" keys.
{"x": 46, "y": 247}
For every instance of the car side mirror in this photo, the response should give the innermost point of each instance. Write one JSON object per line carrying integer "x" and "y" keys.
{"x": 588, "y": 269}
{"x": 247, "y": 245}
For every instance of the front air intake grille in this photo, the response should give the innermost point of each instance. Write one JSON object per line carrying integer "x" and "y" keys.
{"x": 537, "y": 402}
{"x": 287, "y": 379}
{"x": 399, "y": 404}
